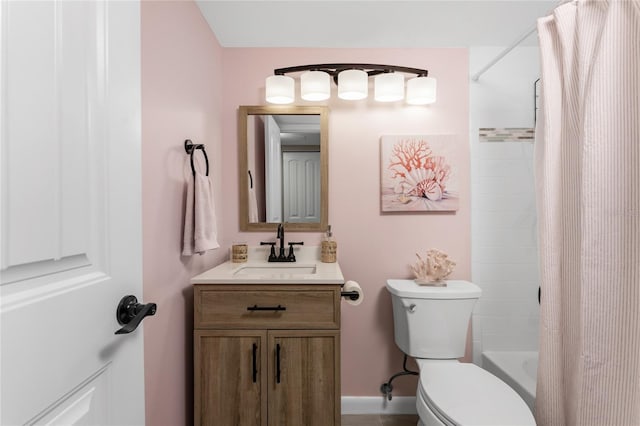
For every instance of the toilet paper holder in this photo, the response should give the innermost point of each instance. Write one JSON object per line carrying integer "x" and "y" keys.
{"x": 353, "y": 295}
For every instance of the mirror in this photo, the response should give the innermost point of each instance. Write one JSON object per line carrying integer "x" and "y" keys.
{"x": 283, "y": 167}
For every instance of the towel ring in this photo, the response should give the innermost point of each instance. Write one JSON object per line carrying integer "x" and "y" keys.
{"x": 190, "y": 148}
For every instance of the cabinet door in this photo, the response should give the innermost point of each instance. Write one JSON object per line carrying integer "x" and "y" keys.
{"x": 304, "y": 378}
{"x": 230, "y": 385}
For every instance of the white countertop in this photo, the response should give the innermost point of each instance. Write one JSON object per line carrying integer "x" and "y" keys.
{"x": 227, "y": 272}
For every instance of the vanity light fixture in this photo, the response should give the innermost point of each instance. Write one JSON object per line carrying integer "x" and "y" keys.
{"x": 353, "y": 83}
{"x": 421, "y": 90}
{"x": 389, "y": 87}
{"x": 315, "y": 86}
{"x": 280, "y": 89}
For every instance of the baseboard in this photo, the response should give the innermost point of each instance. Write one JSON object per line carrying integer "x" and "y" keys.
{"x": 378, "y": 405}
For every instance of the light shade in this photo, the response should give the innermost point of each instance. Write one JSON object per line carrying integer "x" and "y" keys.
{"x": 315, "y": 86}
{"x": 279, "y": 89}
{"x": 353, "y": 85}
{"x": 421, "y": 90}
{"x": 389, "y": 87}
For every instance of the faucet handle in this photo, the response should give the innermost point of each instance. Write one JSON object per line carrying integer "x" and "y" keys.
{"x": 292, "y": 256}
{"x": 272, "y": 254}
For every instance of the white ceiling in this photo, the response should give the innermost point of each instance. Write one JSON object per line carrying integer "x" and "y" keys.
{"x": 359, "y": 23}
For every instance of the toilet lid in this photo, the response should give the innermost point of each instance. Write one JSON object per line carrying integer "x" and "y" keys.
{"x": 455, "y": 289}
{"x": 465, "y": 394}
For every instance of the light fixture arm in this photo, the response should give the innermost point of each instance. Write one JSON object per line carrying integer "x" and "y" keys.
{"x": 334, "y": 69}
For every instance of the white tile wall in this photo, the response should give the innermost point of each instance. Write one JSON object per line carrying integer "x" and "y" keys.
{"x": 504, "y": 235}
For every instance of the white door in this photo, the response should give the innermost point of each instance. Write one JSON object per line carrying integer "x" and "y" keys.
{"x": 273, "y": 170}
{"x": 70, "y": 211}
{"x": 301, "y": 179}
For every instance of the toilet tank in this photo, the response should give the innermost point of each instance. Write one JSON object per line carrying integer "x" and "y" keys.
{"x": 432, "y": 322}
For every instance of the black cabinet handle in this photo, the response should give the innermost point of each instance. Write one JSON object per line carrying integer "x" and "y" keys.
{"x": 255, "y": 366}
{"x": 266, "y": 308}
{"x": 130, "y": 313}
{"x": 278, "y": 363}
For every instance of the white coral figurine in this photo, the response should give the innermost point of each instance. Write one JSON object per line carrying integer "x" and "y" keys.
{"x": 434, "y": 269}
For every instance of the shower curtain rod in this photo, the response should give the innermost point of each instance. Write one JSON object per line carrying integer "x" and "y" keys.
{"x": 504, "y": 53}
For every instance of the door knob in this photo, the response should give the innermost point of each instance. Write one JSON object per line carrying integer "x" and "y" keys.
{"x": 130, "y": 313}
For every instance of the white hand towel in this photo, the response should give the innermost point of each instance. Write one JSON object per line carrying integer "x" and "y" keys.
{"x": 200, "y": 232}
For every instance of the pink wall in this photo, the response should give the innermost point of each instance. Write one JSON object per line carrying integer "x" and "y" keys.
{"x": 191, "y": 88}
{"x": 181, "y": 98}
{"x": 371, "y": 246}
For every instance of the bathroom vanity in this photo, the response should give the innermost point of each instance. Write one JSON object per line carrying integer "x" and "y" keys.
{"x": 267, "y": 343}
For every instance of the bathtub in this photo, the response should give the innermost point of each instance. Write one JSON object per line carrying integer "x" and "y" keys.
{"x": 517, "y": 369}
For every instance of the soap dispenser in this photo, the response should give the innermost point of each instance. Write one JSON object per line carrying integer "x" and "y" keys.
{"x": 328, "y": 247}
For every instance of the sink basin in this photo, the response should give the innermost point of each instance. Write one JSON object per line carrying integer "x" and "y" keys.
{"x": 275, "y": 270}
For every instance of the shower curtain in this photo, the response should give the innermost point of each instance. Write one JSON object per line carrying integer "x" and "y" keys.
{"x": 588, "y": 202}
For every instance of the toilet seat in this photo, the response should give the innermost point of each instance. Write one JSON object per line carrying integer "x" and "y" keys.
{"x": 465, "y": 394}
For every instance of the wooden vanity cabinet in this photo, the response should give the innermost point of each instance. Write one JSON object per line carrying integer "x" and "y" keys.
{"x": 267, "y": 367}
{"x": 226, "y": 391}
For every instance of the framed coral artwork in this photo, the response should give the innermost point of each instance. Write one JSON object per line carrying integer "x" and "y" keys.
{"x": 419, "y": 173}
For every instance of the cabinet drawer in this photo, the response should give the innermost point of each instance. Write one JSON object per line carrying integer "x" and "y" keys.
{"x": 267, "y": 306}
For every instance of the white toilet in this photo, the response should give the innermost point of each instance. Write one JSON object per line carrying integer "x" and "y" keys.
{"x": 431, "y": 326}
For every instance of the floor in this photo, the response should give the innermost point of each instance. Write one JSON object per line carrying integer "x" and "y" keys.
{"x": 378, "y": 420}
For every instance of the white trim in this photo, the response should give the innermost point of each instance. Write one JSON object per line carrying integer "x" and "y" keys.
{"x": 378, "y": 405}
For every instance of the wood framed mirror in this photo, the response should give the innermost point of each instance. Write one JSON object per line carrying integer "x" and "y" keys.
{"x": 283, "y": 167}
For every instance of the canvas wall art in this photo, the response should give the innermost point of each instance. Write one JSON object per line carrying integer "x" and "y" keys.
{"x": 419, "y": 173}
